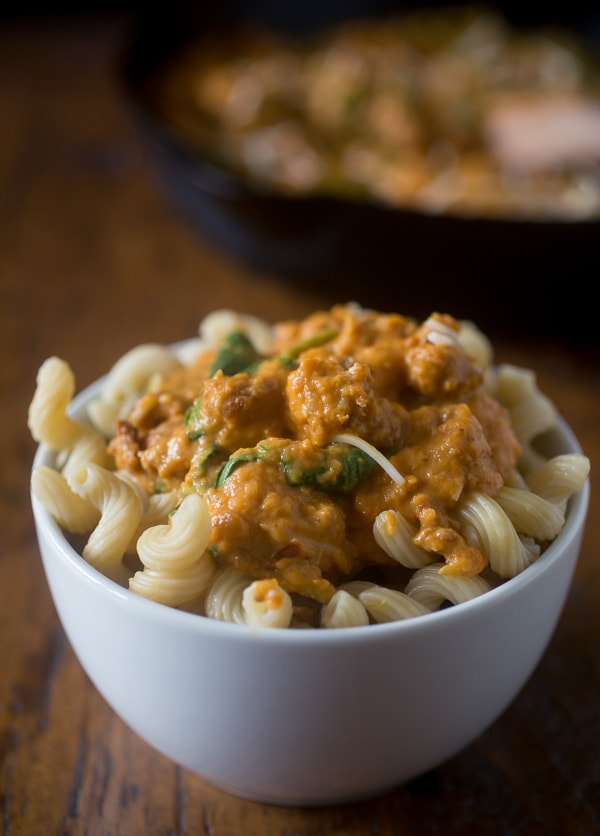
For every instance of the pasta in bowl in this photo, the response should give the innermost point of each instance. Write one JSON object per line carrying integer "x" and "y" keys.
{"x": 277, "y": 550}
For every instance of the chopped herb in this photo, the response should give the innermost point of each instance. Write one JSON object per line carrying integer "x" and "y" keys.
{"x": 320, "y": 338}
{"x": 253, "y": 454}
{"x": 193, "y": 420}
{"x": 235, "y": 355}
{"x": 374, "y": 453}
{"x": 340, "y": 470}
{"x": 202, "y": 463}
{"x": 337, "y": 468}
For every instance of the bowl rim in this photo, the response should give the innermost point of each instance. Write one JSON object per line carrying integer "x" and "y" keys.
{"x": 48, "y": 527}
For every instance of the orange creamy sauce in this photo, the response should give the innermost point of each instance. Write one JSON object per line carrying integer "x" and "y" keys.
{"x": 380, "y": 377}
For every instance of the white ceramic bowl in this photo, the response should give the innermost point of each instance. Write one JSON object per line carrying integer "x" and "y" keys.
{"x": 310, "y": 717}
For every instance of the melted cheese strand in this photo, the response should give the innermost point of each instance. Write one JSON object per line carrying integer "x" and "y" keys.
{"x": 374, "y": 453}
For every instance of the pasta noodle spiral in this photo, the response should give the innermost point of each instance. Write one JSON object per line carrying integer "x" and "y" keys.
{"x": 224, "y": 596}
{"x": 177, "y": 568}
{"x": 531, "y": 515}
{"x": 344, "y": 610}
{"x": 266, "y": 604}
{"x": 156, "y": 511}
{"x": 218, "y": 324}
{"x": 48, "y": 419}
{"x": 507, "y": 553}
{"x": 395, "y": 536}
{"x": 531, "y": 412}
{"x": 240, "y": 599}
{"x": 385, "y": 604}
{"x": 72, "y": 512}
{"x": 215, "y": 493}
{"x": 431, "y": 588}
{"x": 120, "y": 512}
{"x": 127, "y": 379}
{"x": 560, "y": 477}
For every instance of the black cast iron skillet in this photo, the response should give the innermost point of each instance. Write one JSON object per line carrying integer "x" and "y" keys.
{"x": 507, "y": 275}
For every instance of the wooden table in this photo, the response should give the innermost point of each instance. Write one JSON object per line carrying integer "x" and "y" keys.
{"x": 93, "y": 261}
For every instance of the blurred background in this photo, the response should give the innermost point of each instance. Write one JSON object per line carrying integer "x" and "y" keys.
{"x": 579, "y": 12}
{"x": 114, "y": 232}
{"x": 501, "y": 266}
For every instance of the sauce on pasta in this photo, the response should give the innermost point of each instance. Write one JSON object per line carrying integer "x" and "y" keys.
{"x": 287, "y": 498}
{"x": 343, "y": 469}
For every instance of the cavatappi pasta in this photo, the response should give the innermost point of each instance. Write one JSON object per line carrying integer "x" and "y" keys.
{"x": 346, "y": 469}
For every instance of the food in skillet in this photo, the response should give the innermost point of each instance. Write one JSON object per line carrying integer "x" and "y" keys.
{"x": 438, "y": 111}
{"x": 347, "y": 468}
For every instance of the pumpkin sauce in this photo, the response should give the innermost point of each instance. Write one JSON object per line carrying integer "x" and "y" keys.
{"x": 282, "y": 445}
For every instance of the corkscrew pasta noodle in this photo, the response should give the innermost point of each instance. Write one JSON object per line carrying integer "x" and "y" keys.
{"x": 72, "y": 512}
{"x": 217, "y": 325}
{"x": 266, "y": 604}
{"x": 385, "y": 604}
{"x": 126, "y": 380}
{"x": 531, "y": 412}
{"x": 344, "y": 610}
{"x": 476, "y": 344}
{"x": 431, "y": 588}
{"x": 177, "y": 568}
{"x": 155, "y": 512}
{"x": 506, "y": 552}
{"x": 165, "y": 539}
{"x": 395, "y": 536}
{"x": 120, "y": 513}
{"x": 224, "y": 596}
{"x": 531, "y": 515}
{"x": 48, "y": 420}
{"x": 89, "y": 448}
{"x": 560, "y": 477}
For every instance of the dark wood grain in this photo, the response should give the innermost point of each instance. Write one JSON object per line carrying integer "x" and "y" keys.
{"x": 93, "y": 261}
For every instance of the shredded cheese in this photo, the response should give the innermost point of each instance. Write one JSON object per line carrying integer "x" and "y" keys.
{"x": 440, "y": 333}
